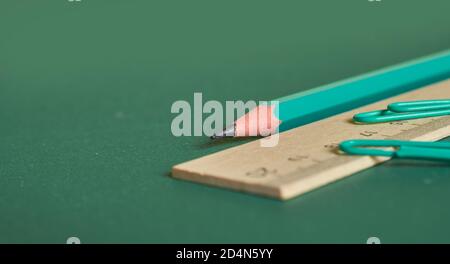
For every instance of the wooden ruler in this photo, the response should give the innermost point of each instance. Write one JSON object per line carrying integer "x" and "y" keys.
{"x": 307, "y": 157}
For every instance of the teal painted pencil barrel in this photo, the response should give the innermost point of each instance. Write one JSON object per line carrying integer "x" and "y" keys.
{"x": 306, "y": 107}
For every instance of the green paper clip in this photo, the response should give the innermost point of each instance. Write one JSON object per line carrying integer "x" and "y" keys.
{"x": 402, "y": 149}
{"x": 406, "y": 110}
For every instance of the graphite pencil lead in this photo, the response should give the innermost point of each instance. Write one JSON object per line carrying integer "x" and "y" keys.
{"x": 229, "y": 131}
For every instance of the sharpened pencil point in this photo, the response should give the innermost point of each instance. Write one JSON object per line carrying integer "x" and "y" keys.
{"x": 230, "y": 131}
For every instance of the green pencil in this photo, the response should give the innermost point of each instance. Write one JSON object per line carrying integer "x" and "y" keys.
{"x": 306, "y": 107}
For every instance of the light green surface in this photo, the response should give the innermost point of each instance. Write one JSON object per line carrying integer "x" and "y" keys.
{"x": 85, "y": 95}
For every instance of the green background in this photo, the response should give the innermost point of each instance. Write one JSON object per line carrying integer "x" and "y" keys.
{"x": 85, "y": 95}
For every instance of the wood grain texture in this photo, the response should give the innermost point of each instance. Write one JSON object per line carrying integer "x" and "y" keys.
{"x": 307, "y": 157}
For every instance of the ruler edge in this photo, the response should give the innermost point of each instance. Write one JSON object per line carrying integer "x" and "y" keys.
{"x": 227, "y": 184}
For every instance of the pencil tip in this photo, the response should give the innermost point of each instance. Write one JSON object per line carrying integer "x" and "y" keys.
{"x": 217, "y": 135}
{"x": 227, "y": 132}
